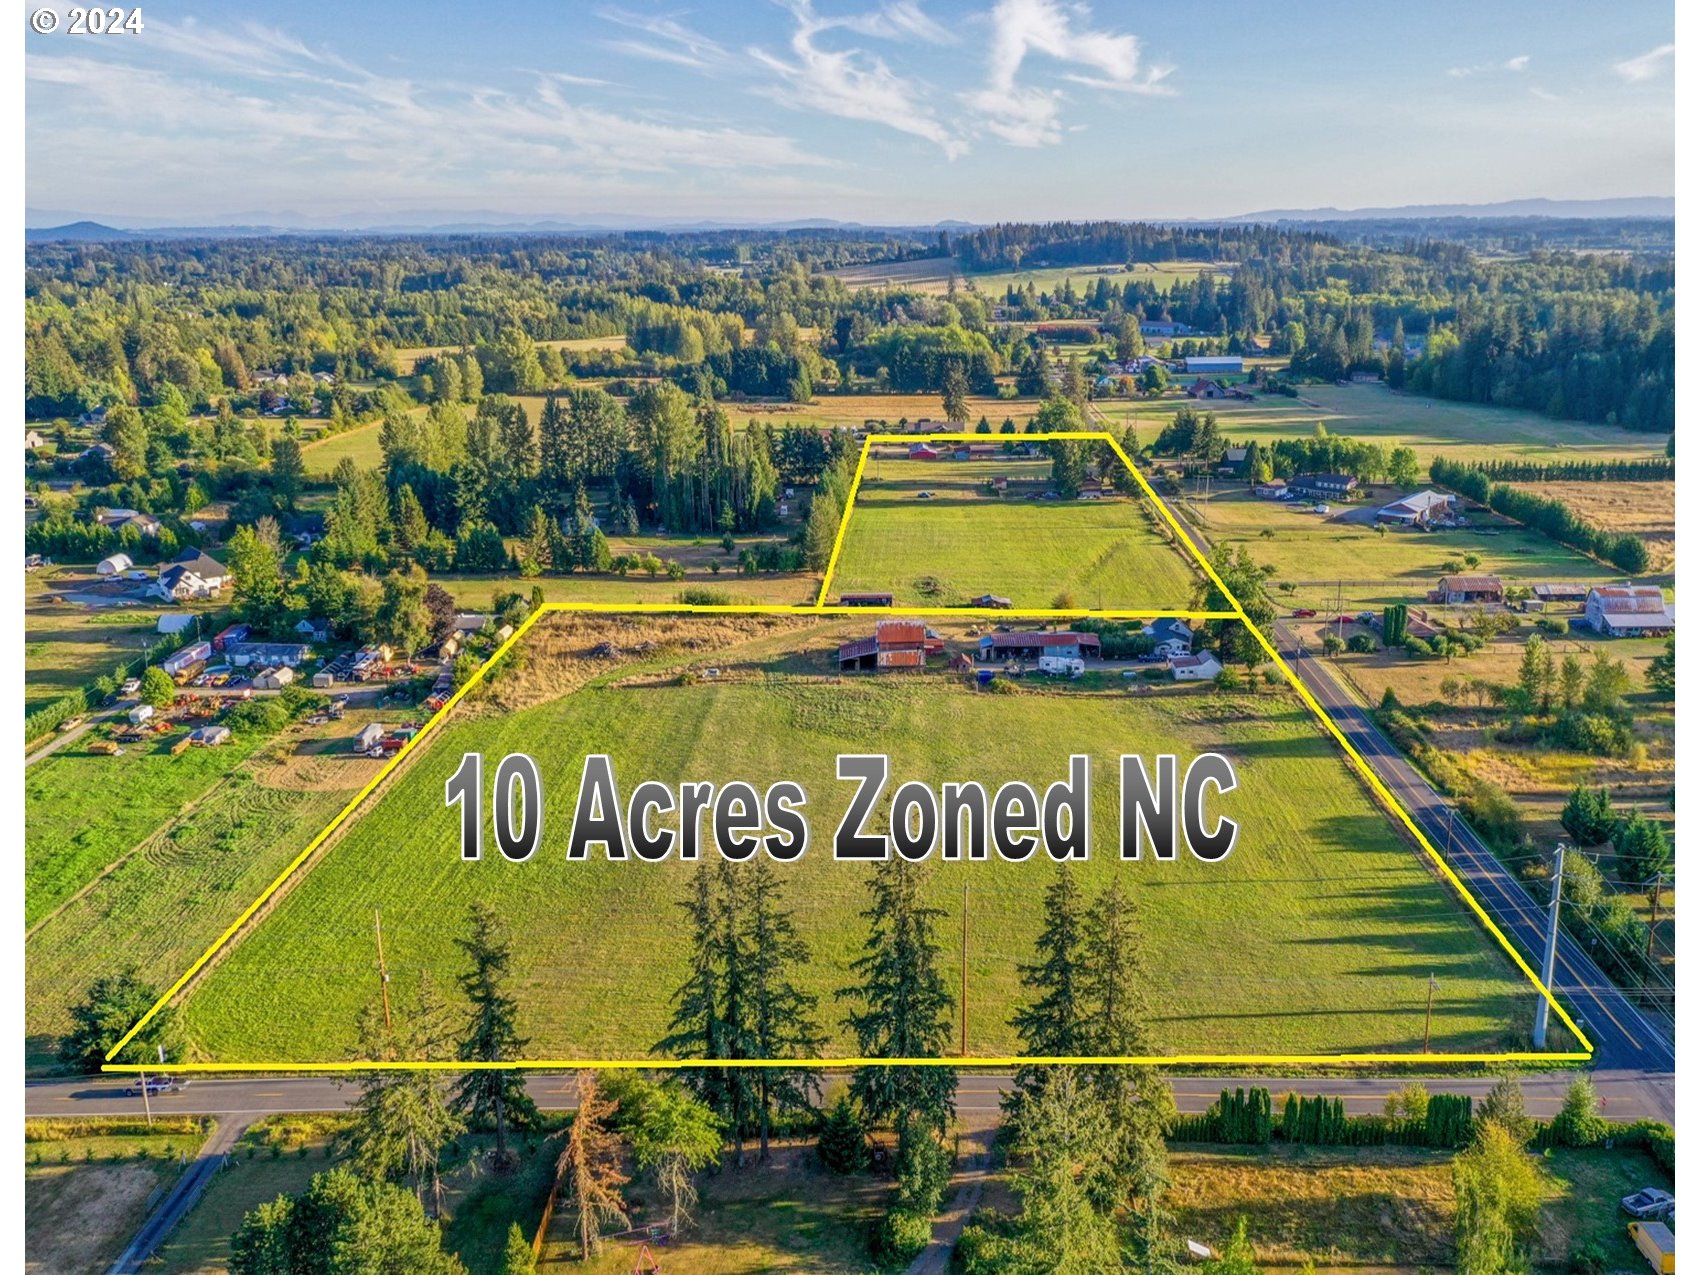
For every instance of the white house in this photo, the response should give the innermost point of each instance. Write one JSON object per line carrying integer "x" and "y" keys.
{"x": 1173, "y": 638}
{"x": 116, "y": 565}
{"x": 1202, "y": 667}
{"x": 192, "y": 574}
{"x": 1629, "y": 610}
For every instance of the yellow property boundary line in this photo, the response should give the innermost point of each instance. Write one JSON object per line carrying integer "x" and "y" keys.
{"x": 819, "y": 608}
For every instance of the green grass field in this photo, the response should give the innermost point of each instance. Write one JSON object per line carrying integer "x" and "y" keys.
{"x": 1345, "y": 546}
{"x": 1433, "y": 427}
{"x": 965, "y": 541}
{"x": 359, "y": 444}
{"x": 67, "y": 646}
{"x": 1348, "y": 922}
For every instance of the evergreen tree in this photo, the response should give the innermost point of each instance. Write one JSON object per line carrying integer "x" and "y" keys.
{"x": 821, "y": 531}
{"x": 517, "y": 1257}
{"x": 1504, "y": 1106}
{"x": 492, "y": 1097}
{"x": 540, "y": 540}
{"x": 956, "y": 395}
{"x": 341, "y": 1224}
{"x": 903, "y": 1006}
{"x": 1053, "y": 1022}
{"x": 781, "y": 1015}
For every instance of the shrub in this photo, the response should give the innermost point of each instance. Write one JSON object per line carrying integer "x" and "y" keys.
{"x": 1593, "y": 733}
{"x": 1578, "y": 1122}
{"x": 1362, "y": 643}
{"x": 902, "y": 1235}
{"x": 1587, "y": 1258}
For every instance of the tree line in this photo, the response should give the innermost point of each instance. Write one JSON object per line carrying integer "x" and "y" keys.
{"x": 1550, "y": 517}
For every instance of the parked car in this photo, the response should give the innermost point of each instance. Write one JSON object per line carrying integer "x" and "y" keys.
{"x": 156, "y": 1086}
{"x": 131, "y": 686}
{"x": 1649, "y": 1202}
{"x": 1304, "y": 613}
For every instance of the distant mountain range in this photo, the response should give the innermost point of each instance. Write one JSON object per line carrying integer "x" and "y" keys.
{"x": 1630, "y": 206}
{"x": 54, "y": 225}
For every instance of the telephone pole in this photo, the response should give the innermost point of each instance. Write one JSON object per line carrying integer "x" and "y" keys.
{"x": 1428, "y": 1018}
{"x": 383, "y": 974}
{"x": 1653, "y": 923}
{"x": 1550, "y": 962}
{"x": 964, "y": 1050}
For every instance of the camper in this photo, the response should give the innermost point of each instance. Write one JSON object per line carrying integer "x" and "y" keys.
{"x": 1061, "y": 665}
{"x": 1657, "y": 1245}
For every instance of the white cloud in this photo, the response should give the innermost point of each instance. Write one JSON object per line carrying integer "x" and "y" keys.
{"x": 1029, "y": 116}
{"x": 669, "y": 40}
{"x": 853, "y": 83}
{"x": 1646, "y": 65}
{"x": 1515, "y": 64}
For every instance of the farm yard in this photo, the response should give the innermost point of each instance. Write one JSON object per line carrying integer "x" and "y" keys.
{"x": 964, "y": 541}
{"x": 597, "y": 945}
{"x": 1316, "y": 552}
{"x": 67, "y": 646}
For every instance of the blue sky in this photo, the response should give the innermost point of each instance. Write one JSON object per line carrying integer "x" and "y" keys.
{"x": 907, "y": 111}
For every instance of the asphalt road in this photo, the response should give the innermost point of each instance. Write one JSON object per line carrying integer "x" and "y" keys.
{"x": 1624, "y": 1095}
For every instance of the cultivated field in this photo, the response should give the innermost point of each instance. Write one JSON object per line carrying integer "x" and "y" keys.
{"x": 965, "y": 541}
{"x": 189, "y": 840}
{"x": 1316, "y": 552}
{"x": 1349, "y": 921}
{"x": 1433, "y": 427}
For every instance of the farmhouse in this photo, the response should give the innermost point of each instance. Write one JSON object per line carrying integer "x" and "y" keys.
{"x": 1416, "y": 510}
{"x": 1202, "y": 667}
{"x": 1172, "y": 638}
{"x": 115, "y": 565}
{"x": 192, "y": 574}
{"x": 865, "y": 600}
{"x": 1163, "y": 327}
{"x": 1030, "y": 646}
{"x": 33, "y": 440}
{"x": 100, "y": 451}
{"x": 1216, "y": 364}
{"x": 274, "y": 679}
{"x": 1324, "y": 485}
{"x": 1202, "y": 388}
{"x": 895, "y": 644}
{"x": 314, "y": 630}
{"x": 210, "y": 736}
{"x": 1629, "y": 610}
{"x": 1464, "y": 590}
{"x": 472, "y": 622}
{"x": 974, "y": 451}
{"x": 268, "y": 655}
{"x": 1232, "y": 459}
{"x": 118, "y": 519}
{"x": 1274, "y": 489}
{"x": 991, "y": 602}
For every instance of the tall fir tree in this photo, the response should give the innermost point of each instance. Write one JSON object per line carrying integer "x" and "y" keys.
{"x": 781, "y": 1015}
{"x": 491, "y": 1097}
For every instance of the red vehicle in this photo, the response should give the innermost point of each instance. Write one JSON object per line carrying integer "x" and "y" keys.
{"x": 1303, "y": 613}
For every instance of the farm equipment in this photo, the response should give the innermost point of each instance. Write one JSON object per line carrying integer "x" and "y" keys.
{"x": 105, "y": 747}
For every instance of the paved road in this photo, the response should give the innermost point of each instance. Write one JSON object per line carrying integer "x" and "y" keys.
{"x": 1626, "y": 1095}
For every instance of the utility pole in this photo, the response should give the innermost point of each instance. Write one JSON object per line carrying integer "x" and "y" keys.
{"x": 383, "y": 974}
{"x": 1550, "y": 961}
{"x": 1428, "y": 1018}
{"x": 965, "y": 969}
{"x": 1653, "y": 924}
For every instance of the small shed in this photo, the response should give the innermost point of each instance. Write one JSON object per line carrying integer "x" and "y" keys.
{"x": 1202, "y": 667}
{"x": 323, "y": 679}
{"x": 274, "y": 679}
{"x": 210, "y": 736}
{"x": 140, "y": 713}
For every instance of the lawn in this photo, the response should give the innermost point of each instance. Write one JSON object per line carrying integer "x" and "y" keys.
{"x": 965, "y": 541}
{"x": 1350, "y": 924}
{"x": 189, "y": 874}
{"x": 1433, "y": 427}
{"x": 787, "y": 1217}
{"x": 67, "y": 646}
{"x": 89, "y": 1185}
{"x": 1387, "y": 1208}
{"x": 1320, "y": 553}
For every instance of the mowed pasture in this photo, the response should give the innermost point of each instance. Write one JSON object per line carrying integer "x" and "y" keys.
{"x": 1320, "y": 553}
{"x": 1161, "y": 274}
{"x": 964, "y": 541}
{"x": 474, "y": 592}
{"x": 408, "y": 357}
{"x": 360, "y": 444}
{"x": 1432, "y": 427}
{"x": 1317, "y": 934}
